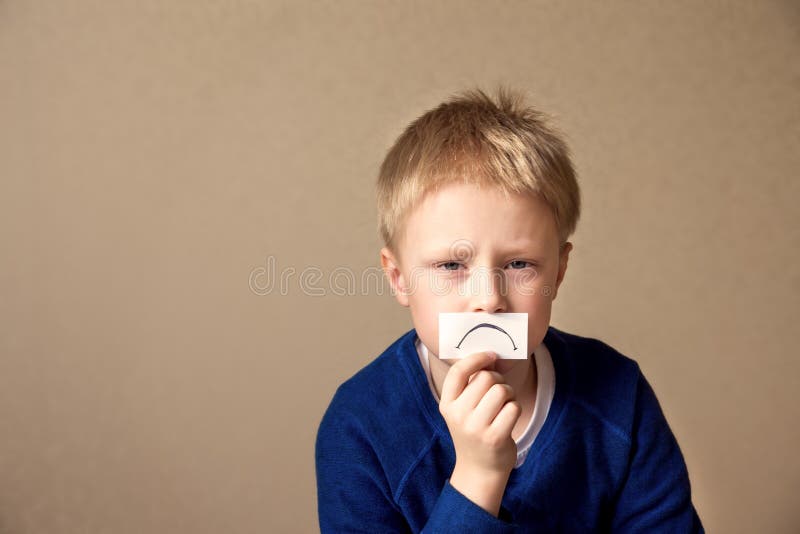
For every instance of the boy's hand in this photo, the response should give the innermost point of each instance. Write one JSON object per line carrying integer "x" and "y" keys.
{"x": 480, "y": 413}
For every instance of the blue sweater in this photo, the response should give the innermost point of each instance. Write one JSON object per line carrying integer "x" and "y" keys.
{"x": 605, "y": 459}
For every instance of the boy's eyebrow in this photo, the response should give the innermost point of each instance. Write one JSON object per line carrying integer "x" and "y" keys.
{"x": 461, "y": 249}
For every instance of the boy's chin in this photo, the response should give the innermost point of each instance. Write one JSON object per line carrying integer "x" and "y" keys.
{"x": 505, "y": 366}
{"x": 502, "y": 366}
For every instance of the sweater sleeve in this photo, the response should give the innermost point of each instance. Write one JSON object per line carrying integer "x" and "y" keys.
{"x": 656, "y": 494}
{"x": 454, "y": 512}
{"x": 353, "y": 494}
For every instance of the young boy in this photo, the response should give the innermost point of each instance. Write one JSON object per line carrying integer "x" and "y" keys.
{"x": 476, "y": 201}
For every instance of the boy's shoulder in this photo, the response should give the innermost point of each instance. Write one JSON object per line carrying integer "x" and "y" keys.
{"x": 381, "y": 378}
{"x": 589, "y": 357}
{"x": 598, "y": 380}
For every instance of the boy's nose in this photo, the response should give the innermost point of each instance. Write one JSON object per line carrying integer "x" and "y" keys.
{"x": 488, "y": 292}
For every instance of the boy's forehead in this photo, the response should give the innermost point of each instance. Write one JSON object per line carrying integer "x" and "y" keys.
{"x": 520, "y": 229}
{"x": 459, "y": 215}
{"x": 508, "y": 238}
{"x": 463, "y": 203}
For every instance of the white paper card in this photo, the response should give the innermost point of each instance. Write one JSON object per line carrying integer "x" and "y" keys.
{"x": 462, "y": 334}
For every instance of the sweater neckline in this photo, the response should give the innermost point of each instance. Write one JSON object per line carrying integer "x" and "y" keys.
{"x": 563, "y": 385}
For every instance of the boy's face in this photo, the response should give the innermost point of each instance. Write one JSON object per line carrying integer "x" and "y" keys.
{"x": 469, "y": 249}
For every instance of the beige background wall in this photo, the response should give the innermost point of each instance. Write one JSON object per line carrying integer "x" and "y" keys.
{"x": 154, "y": 155}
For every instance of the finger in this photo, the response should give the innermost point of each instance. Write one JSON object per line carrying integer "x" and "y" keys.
{"x": 459, "y": 373}
{"x": 504, "y": 423}
{"x": 492, "y": 402}
{"x": 480, "y": 383}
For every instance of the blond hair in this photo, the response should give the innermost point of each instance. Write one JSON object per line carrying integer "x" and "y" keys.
{"x": 473, "y": 139}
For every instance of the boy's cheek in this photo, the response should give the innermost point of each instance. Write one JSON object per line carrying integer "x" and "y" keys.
{"x": 537, "y": 329}
{"x": 526, "y": 287}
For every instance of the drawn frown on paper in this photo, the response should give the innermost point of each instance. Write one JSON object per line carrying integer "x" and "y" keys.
{"x": 462, "y": 334}
{"x": 486, "y": 325}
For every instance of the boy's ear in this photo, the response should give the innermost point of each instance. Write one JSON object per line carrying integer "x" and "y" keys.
{"x": 563, "y": 257}
{"x": 391, "y": 268}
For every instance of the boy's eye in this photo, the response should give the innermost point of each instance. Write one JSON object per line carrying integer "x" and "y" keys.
{"x": 454, "y": 265}
{"x": 449, "y": 265}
